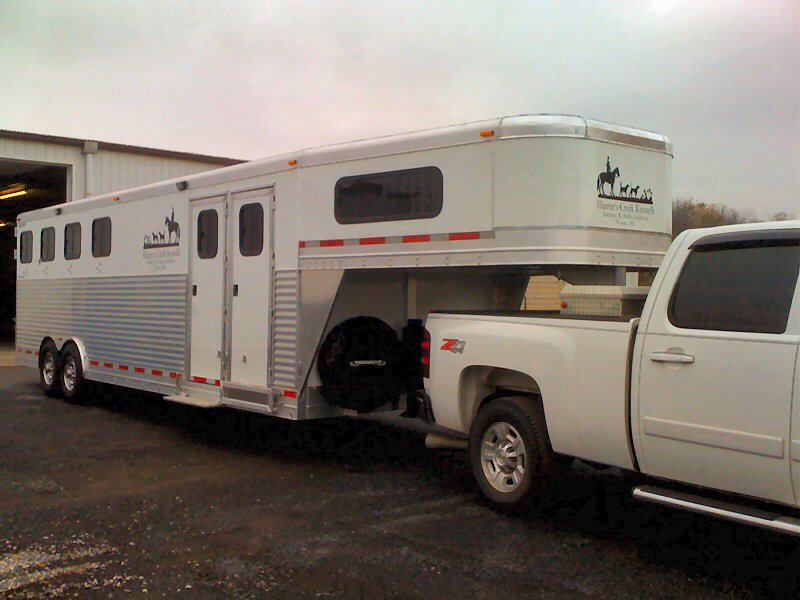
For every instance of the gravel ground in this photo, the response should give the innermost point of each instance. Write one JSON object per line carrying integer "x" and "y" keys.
{"x": 134, "y": 496}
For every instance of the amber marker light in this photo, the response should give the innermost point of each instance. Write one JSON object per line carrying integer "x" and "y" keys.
{"x": 487, "y": 133}
{"x": 116, "y": 198}
{"x": 292, "y": 163}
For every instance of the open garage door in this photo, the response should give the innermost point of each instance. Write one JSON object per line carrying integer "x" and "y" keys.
{"x": 24, "y": 186}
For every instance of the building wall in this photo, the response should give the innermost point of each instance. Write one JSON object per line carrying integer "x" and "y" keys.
{"x": 111, "y": 170}
{"x": 119, "y": 170}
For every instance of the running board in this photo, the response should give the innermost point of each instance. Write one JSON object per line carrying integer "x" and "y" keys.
{"x": 197, "y": 401}
{"x": 721, "y": 510}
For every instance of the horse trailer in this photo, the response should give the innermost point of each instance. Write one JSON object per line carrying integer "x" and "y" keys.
{"x": 296, "y": 285}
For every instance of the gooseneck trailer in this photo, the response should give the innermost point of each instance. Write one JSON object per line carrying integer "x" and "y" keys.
{"x": 295, "y": 285}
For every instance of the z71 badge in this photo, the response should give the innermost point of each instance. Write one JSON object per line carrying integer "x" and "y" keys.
{"x": 453, "y": 345}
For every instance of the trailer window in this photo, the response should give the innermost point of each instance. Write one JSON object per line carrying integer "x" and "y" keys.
{"x": 26, "y": 247}
{"x": 47, "y": 249}
{"x": 207, "y": 233}
{"x": 72, "y": 241}
{"x": 101, "y": 237}
{"x": 391, "y": 196}
{"x": 737, "y": 287}
{"x": 251, "y": 229}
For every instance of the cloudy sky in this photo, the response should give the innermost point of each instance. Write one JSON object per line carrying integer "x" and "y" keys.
{"x": 249, "y": 79}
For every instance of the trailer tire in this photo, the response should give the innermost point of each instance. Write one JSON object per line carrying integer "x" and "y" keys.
{"x": 362, "y": 364}
{"x": 73, "y": 383}
{"x": 509, "y": 450}
{"x": 50, "y": 369}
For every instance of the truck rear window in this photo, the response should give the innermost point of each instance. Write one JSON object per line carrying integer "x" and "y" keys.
{"x": 738, "y": 287}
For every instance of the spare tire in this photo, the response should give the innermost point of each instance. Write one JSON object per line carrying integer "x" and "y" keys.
{"x": 362, "y": 364}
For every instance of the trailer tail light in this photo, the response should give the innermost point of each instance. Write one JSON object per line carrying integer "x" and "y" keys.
{"x": 425, "y": 354}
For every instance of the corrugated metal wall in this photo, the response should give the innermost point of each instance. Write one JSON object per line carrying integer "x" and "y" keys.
{"x": 112, "y": 170}
{"x": 119, "y": 170}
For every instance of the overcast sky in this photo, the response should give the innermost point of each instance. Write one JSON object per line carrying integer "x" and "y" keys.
{"x": 248, "y": 79}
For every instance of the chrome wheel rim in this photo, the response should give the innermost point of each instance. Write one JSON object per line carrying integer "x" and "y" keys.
{"x": 49, "y": 368}
{"x": 70, "y": 375}
{"x": 503, "y": 457}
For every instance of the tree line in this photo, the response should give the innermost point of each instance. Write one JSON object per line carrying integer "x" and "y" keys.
{"x": 689, "y": 214}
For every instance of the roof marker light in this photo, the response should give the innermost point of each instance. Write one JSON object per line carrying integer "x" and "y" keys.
{"x": 292, "y": 163}
{"x": 487, "y": 133}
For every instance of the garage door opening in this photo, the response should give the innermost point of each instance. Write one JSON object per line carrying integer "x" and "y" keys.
{"x": 24, "y": 186}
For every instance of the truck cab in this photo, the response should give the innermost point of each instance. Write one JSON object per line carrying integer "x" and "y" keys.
{"x": 703, "y": 390}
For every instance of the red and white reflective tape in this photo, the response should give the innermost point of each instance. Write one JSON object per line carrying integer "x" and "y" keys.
{"x": 400, "y": 239}
{"x": 205, "y": 380}
{"x": 139, "y": 370}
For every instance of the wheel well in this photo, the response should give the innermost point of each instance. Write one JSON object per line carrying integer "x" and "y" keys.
{"x": 480, "y": 384}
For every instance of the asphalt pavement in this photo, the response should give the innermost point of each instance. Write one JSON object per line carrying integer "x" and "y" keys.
{"x": 132, "y": 496}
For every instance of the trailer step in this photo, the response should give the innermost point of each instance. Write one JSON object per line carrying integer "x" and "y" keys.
{"x": 716, "y": 508}
{"x": 198, "y": 401}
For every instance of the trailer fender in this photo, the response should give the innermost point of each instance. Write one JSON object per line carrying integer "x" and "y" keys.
{"x": 81, "y": 350}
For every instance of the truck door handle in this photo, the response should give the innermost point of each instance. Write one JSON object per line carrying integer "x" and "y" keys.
{"x": 671, "y": 357}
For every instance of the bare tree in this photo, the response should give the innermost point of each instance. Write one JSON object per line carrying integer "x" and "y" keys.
{"x": 688, "y": 214}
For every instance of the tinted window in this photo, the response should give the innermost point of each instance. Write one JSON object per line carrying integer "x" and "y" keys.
{"x": 47, "y": 250}
{"x": 101, "y": 237}
{"x": 72, "y": 241}
{"x": 741, "y": 287}
{"x": 391, "y": 196}
{"x": 251, "y": 229}
{"x": 26, "y": 247}
{"x": 207, "y": 229}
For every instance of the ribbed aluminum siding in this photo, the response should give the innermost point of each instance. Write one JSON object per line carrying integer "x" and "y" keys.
{"x": 136, "y": 321}
{"x": 284, "y": 330}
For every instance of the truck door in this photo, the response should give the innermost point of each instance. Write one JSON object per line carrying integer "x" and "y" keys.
{"x": 794, "y": 450}
{"x": 717, "y": 367}
{"x": 207, "y": 285}
{"x": 250, "y": 281}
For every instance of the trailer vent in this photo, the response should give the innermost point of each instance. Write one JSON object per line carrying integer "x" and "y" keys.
{"x": 284, "y": 330}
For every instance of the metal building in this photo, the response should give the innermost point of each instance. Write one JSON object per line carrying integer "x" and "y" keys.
{"x": 42, "y": 170}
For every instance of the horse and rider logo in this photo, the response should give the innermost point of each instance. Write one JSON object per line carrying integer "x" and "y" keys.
{"x": 167, "y": 238}
{"x": 627, "y": 192}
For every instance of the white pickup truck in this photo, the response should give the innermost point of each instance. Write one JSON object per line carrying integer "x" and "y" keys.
{"x": 701, "y": 394}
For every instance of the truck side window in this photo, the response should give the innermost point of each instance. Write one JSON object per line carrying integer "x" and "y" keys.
{"x": 72, "y": 241}
{"x": 251, "y": 229}
{"x": 207, "y": 233}
{"x": 744, "y": 287}
{"x": 391, "y": 196}
{"x": 101, "y": 237}
{"x": 47, "y": 249}
{"x": 26, "y": 247}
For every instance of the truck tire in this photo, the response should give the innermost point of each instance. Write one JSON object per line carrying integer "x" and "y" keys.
{"x": 50, "y": 369}
{"x": 362, "y": 365}
{"x": 73, "y": 384}
{"x": 509, "y": 450}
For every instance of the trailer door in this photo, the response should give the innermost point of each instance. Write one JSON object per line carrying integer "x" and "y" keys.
{"x": 208, "y": 292}
{"x": 250, "y": 280}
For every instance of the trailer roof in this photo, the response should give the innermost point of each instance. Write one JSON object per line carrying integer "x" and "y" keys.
{"x": 511, "y": 127}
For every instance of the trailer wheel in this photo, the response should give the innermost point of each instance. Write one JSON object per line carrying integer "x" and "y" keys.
{"x": 50, "y": 369}
{"x": 362, "y": 364}
{"x": 509, "y": 450}
{"x": 73, "y": 384}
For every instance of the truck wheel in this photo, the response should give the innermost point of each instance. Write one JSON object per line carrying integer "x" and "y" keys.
{"x": 509, "y": 449}
{"x": 50, "y": 369}
{"x": 73, "y": 383}
{"x": 362, "y": 364}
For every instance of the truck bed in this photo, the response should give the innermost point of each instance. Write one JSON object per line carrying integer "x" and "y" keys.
{"x": 579, "y": 366}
